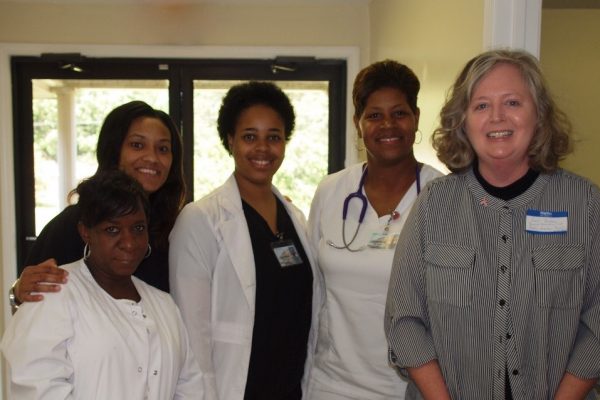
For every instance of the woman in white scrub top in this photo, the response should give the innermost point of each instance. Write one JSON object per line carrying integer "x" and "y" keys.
{"x": 355, "y": 220}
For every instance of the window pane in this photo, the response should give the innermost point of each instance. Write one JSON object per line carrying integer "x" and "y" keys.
{"x": 67, "y": 117}
{"x": 305, "y": 161}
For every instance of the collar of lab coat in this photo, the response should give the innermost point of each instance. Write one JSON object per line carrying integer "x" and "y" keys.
{"x": 236, "y": 237}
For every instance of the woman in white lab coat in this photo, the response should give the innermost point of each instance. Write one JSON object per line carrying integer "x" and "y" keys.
{"x": 107, "y": 334}
{"x": 240, "y": 263}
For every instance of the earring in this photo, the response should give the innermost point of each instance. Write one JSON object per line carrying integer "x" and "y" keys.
{"x": 420, "y": 136}
{"x": 86, "y": 252}
{"x": 357, "y": 144}
{"x": 149, "y": 251}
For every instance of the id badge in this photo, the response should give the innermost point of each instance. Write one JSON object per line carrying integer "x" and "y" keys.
{"x": 383, "y": 240}
{"x": 286, "y": 253}
{"x": 546, "y": 222}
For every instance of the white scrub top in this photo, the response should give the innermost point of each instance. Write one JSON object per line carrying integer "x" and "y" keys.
{"x": 351, "y": 360}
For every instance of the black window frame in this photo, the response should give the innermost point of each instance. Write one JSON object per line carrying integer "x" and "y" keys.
{"x": 180, "y": 73}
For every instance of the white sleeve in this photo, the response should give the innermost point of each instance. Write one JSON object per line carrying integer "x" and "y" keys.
{"x": 192, "y": 256}
{"x": 314, "y": 221}
{"x": 35, "y": 346}
{"x": 190, "y": 384}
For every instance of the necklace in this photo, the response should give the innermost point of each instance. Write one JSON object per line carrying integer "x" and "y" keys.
{"x": 393, "y": 216}
{"x": 396, "y": 214}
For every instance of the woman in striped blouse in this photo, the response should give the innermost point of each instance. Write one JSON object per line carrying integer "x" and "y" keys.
{"x": 495, "y": 286}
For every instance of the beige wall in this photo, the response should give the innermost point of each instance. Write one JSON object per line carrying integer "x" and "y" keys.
{"x": 570, "y": 57}
{"x": 344, "y": 24}
{"x": 434, "y": 38}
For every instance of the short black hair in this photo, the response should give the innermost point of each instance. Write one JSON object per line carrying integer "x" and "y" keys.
{"x": 110, "y": 194}
{"x": 384, "y": 74}
{"x": 245, "y": 95}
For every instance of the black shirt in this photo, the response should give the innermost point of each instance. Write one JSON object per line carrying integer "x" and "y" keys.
{"x": 282, "y": 312}
{"x": 511, "y": 191}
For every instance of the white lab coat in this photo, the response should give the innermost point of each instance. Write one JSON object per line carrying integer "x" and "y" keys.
{"x": 80, "y": 343}
{"x": 212, "y": 277}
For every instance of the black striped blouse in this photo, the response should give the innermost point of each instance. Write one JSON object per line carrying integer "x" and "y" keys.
{"x": 472, "y": 288}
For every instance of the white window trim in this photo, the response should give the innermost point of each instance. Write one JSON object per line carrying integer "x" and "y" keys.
{"x": 513, "y": 23}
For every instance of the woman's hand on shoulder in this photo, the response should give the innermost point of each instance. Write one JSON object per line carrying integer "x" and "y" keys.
{"x": 41, "y": 278}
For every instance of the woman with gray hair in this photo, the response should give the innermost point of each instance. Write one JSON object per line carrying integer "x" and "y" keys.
{"x": 495, "y": 286}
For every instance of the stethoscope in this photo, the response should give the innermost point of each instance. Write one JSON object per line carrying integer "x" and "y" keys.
{"x": 363, "y": 210}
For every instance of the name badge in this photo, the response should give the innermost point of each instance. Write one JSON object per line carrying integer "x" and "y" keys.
{"x": 286, "y": 253}
{"x": 383, "y": 240}
{"x": 546, "y": 222}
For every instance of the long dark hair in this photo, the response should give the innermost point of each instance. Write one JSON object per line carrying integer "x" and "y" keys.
{"x": 167, "y": 201}
{"x": 384, "y": 74}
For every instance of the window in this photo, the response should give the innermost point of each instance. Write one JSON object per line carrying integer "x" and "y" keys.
{"x": 61, "y": 101}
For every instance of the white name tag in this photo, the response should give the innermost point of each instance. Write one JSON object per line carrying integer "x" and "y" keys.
{"x": 546, "y": 222}
{"x": 383, "y": 240}
{"x": 286, "y": 253}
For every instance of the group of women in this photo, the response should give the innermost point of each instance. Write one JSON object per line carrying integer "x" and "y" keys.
{"x": 492, "y": 281}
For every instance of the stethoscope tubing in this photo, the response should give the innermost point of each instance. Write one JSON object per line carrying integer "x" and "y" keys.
{"x": 360, "y": 195}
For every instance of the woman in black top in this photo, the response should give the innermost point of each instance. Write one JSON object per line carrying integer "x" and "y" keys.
{"x": 145, "y": 144}
{"x": 241, "y": 269}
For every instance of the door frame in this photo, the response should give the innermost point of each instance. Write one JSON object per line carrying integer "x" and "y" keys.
{"x": 181, "y": 74}
{"x": 8, "y": 242}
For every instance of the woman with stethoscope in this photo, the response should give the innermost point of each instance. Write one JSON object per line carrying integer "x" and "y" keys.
{"x": 356, "y": 217}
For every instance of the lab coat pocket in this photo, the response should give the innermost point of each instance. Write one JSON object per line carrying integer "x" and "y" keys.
{"x": 449, "y": 274}
{"x": 559, "y": 276}
{"x": 231, "y": 332}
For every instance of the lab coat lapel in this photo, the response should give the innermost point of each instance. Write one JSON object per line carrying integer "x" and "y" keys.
{"x": 299, "y": 222}
{"x": 236, "y": 240}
